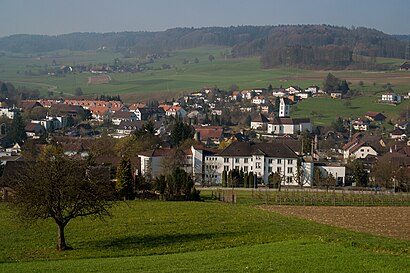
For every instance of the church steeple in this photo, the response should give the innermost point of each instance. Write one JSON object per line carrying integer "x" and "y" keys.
{"x": 284, "y": 108}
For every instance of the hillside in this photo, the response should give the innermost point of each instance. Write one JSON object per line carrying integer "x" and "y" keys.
{"x": 295, "y": 45}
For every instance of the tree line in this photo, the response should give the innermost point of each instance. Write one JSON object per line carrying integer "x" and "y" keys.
{"x": 244, "y": 40}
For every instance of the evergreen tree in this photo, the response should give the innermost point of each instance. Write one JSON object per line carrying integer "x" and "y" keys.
{"x": 331, "y": 83}
{"x": 17, "y": 132}
{"x": 344, "y": 87}
{"x": 224, "y": 178}
{"x": 180, "y": 132}
{"x": 360, "y": 175}
{"x": 124, "y": 183}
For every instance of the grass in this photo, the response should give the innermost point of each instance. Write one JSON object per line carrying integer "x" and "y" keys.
{"x": 152, "y": 236}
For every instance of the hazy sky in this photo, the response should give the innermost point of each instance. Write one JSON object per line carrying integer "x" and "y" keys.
{"x": 58, "y": 16}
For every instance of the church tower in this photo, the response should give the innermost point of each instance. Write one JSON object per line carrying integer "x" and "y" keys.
{"x": 284, "y": 108}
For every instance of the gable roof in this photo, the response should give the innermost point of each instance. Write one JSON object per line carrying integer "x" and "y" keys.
{"x": 250, "y": 148}
{"x": 209, "y": 132}
{"x": 260, "y": 118}
{"x": 288, "y": 121}
{"x": 123, "y": 115}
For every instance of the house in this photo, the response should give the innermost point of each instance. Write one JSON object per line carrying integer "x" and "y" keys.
{"x": 127, "y": 127}
{"x": 258, "y": 100}
{"x": 289, "y": 126}
{"x": 375, "y": 116}
{"x": 405, "y": 66}
{"x": 358, "y": 147}
{"x": 119, "y": 116}
{"x": 99, "y": 112}
{"x": 361, "y": 124}
{"x": 68, "y": 110}
{"x": 8, "y": 112}
{"x": 133, "y": 107}
{"x": 147, "y": 113}
{"x": 331, "y": 168}
{"x": 336, "y": 95}
{"x": 153, "y": 162}
{"x": 312, "y": 89}
{"x": 398, "y": 134}
{"x": 247, "y": 94}
{"x": 279, "y": 92}
{"x": 260, "y": 158}
{"x": 304, "y": 95}
{"x": 209, "y": 135}
{"x": 29, "y": 105}
{"x": 260, "y": 122}
{"x": 391, "y": 98}
{"x": 173, "y": 110}
{"x": 293, "y": 89}
{"x": 34, "y": 130}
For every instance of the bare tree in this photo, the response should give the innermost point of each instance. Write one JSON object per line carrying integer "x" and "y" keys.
{"x": 60, "y": 188}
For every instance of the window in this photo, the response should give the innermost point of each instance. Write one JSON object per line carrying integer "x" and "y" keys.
{"x": 290, "y": 161}
{"x": 290, "y": 170}
{"x": 269, "y": 169}
{"x": 289, "y": 179}
{"x": 279, "y": 169}
{"x": 245, "y": 169}
{"x": 258, "y": 165}
{"x": 279, "y": 161}
{"x": 226, "y": 160}
{"x": 258, "y": 158}
{"x": 270, "y": 161}
{"x": 236, "y": 160}
{"x": 237, "y": 167}
{"x": 245, "y": 160}
{"x": 226, "y": 168}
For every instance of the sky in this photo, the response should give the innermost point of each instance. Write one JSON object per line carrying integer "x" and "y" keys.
{"x": 53, "y": 17}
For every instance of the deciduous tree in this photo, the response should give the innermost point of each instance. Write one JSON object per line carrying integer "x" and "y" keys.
{"x": 60, "y": 188}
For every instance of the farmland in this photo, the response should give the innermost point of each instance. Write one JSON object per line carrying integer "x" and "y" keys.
{"x": 152, "y": 236}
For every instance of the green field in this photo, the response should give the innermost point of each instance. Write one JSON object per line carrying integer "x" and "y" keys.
{"x": 222, "y": 72}
{"x": 154, "y": 236}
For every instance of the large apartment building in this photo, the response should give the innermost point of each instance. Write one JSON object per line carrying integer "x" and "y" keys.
{"x": 261, "y": 159}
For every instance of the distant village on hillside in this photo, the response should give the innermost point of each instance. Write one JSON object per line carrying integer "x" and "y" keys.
{"x": 215, "y": 133}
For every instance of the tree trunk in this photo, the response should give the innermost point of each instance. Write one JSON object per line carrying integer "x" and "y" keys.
{"x": 61, "y": 245}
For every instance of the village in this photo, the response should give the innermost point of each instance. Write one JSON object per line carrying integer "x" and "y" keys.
{"x": 250, "y": 133}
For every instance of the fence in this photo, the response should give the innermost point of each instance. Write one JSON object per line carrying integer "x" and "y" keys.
{"x": 331, "y": 198}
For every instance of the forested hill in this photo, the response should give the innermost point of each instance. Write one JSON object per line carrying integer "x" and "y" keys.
{"x": 321, "y": 43}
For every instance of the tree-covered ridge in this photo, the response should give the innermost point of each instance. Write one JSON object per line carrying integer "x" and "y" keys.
{"x": 317, "y": 44}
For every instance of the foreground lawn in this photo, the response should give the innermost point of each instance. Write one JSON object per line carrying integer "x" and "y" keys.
{"x": 293, "y": 256}
{"x": 153, "y": 236}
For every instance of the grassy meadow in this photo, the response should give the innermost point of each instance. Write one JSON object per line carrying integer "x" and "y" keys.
{"x": 155, "y": 236}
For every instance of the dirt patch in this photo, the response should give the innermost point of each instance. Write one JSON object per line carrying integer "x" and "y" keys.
{"x": 99, "y": 79}
{"x": 387, "y": 221}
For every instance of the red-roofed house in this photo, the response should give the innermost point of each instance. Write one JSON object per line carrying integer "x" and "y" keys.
{"x": 209, "y": 134}
{"x": 173, "y": 110}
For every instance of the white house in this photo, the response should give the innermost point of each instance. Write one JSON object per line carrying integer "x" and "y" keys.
{"x": 289, "y": 126}
{"x": 8, "y": 112}
{"x": 361, "y": 124}
{"x": 258, "y": 100}
{"x": 391, "y": 98}
{"x": 312, "y": 89}
{"x": 260, "y": 122}
{"x": 153, "y": 161}
{"x": 119, "y": 116}
{"x": 336, "y": 170}
{"x": 358, "y": 149}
